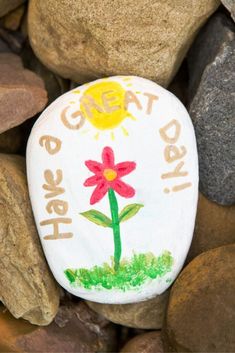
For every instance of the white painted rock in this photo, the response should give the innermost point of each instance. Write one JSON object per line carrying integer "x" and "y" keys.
{"x": 113, "y": 179}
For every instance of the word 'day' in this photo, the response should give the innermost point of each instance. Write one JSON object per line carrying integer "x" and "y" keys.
{"x": 113, "y": 180}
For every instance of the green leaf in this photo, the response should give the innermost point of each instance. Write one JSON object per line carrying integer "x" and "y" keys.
{"x": 98, "y": 218}
{"x": 129, "y": 211}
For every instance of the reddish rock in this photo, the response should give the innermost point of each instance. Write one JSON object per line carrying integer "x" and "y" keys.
{"x": 76, "y": 328}
{"x": 22, "y": 93}
{"x": 150, "y": 342}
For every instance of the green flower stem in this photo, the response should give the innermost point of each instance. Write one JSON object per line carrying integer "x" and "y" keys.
{"x": 116, "y": 228}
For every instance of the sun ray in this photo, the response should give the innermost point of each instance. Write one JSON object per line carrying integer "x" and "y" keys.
{"x": 96, "y": 136}
{"x": 129, "y": 85}
{"x": 131, "y": 117}
{"x": 85, "y": 131}
{"x": 112, "y": 136}
{"x": 124, "y": 130}
{"x": 127, "y": 79}
{"x": 72, "y": 102}
{"x": 77, "y": 91}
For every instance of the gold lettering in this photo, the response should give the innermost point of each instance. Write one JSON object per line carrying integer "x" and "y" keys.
{"x": 78, "y": 124}
{"x": 52, "y": 183}
{"x": 176, "y": 172}
{"x": 89, "y": 104}
{"x": 172, "y": 124}
{"x": 51, "y": 143}
{"x": 151, "y": 99}
{"x": 55, "y": 223}
{"x": 106, "y": 99}
{"x": 130, "y": 97}
{"x": 172, "y": 153}
{"x": 58, "y": 206}
{"x": 181, "y": 187}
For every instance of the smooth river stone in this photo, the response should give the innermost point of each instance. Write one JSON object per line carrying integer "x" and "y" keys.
{"x": 113, "y": 180}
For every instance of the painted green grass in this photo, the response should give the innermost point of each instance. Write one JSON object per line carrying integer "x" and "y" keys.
{"x": 130, "y": 274}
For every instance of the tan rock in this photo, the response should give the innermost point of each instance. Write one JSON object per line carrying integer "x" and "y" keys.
{"x": 26, "y": 285}
{"x": 76, "y": 329}
{"x": 9, "y": 5}
{"x": 146, "y": 315}
{"x": 84, "y": 40}
{"x": 150, "y": 342}
{"x": 215, "y": 226}
{"x": 201, "y": 310}
{"x": 22, "y": 93}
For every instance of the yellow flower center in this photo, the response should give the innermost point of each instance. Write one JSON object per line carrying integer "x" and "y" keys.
{"x": 110, "y": 174}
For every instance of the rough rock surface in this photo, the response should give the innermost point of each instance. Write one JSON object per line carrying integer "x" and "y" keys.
{"x": 146, "y": 315}
{"x": 76, "y": 329}
{"x": 215, "y": 226}
{"x": 9, "y": 5}
{"x": 230, "y": 5}
{"x": 212, "y": 67}
{"x": 81, "y": 40}
{"x": 150, "y": 342}
{"x": 22, "y": 93}
{"x": 201, "y": 315}
{"x": 26, "y": 285}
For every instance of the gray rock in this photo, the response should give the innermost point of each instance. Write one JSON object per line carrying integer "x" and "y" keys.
{"x": 212, "y": 108}
{"x": 230, "y": 5}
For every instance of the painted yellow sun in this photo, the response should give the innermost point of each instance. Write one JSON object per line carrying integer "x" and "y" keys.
{"x": 103, "y": 105}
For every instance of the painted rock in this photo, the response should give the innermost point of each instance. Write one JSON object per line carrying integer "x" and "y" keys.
{"x": 113, "y": 179}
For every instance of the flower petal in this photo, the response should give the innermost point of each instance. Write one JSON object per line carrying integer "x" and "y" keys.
{"x": 99, "y": 192}
{"x": 93, "y": 180}
{"x": 123, "y": 189}
{"x": 108, "y": 157}
{"x": 125, "y": 168}
{"x": 94, "y": 166}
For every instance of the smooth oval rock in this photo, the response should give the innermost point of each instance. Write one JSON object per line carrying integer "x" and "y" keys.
{"x": 27, "y": 287}
{"x": 149, "y": 342}
{"x": 109, "y": 164}
{"x": 214, "y": 227}
{"x": 84, "y": 41}
{"x": 201, "y": 315}
{"x": 147, "y": 315}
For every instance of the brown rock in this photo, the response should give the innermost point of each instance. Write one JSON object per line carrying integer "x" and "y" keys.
{"x": 215, "y": 226}
{"x": 11, "y": 140}
{"x": 22, "y": 93}
{"x": 9, "y": 5}
{"x": 146, "y": 315}
{"x": 150, "y": 342}
{"x": 201, "y": 310}
{"x": 75, "y": 329}
{"x": 12, "y": 20}
{"x": 26, "y": 286}
{"x": 81, "y": 40}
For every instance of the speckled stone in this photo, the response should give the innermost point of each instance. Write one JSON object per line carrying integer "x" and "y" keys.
{"x": 230, "y": 5}
{"x": 84, "y": 40}
{"x": 212, "y": 86}
{"x": 201, "y": 315}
